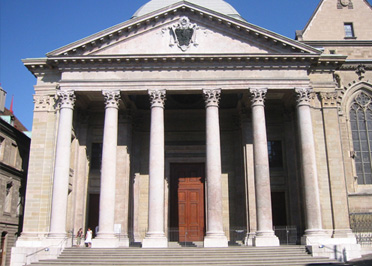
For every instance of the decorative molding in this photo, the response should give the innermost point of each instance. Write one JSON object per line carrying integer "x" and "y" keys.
{"x": 258, "y": 96}
{"x": 303, "y": 96}
{"x": 212, "y": 97}
{"x": 344, "y": 3}
{"x": 361, "y": 69}
{"x": 329, "y": 99}
{"x": 157, "y": 98}
{"x": 66, "y": 99}
{"x": 183, "y": 34}
{"x": 112, "y": 98}
{"x": 43, "y": 103}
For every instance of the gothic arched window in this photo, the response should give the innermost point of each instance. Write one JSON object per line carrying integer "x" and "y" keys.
{"x": 361, "y": 128}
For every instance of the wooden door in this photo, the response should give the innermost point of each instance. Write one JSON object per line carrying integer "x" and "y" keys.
{"x": 190, "y": 198}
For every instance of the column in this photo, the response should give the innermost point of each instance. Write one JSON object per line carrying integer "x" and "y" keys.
{"x": 215, "y": 236}
{"x": 62, "y": 165}
{"x": 265, "y": 235}
{"x": 106, "y": 236}
{"x": 155, "y": 237}
{"x": 309, "y": 170}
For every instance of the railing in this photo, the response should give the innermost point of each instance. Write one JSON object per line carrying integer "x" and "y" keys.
{"x": 287, "y": 235}
{"x": 61, "y": 245}
{"x": 361, "y": 224}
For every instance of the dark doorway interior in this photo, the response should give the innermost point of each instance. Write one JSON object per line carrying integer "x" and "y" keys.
{"x": 279, "y": 209}
{"x": 93, "y": 212}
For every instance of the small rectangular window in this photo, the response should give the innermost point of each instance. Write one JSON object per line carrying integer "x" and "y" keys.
{"x": 349, "y": 30}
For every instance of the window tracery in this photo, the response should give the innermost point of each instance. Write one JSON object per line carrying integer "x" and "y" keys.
{"x": 361, "y": 129}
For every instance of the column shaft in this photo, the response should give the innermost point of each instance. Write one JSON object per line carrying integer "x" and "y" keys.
{"x": 215, "y": 236}
{"x": 265, "y": 234}
{"x": 108, "y": 172}
{"x": 62, "y": 166}
{"x": 308, "y": 167}
{"x": 155, "y": 236}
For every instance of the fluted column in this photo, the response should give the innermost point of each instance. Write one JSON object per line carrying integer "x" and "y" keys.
{"x": 62, "y": 165}
{"x": 106, "y": 236}
{"x": 265, "y": 235}
{"x": 155, "y": 237}
{"x": 215, "y": 236}
{"x": 308, "y": 167}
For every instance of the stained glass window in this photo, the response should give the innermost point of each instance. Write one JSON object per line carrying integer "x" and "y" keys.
{"x": 361, "y": 129}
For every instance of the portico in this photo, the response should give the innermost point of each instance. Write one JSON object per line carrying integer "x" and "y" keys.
{"x": 182, "y": 125}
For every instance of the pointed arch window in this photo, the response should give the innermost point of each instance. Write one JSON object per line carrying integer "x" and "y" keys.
{"x": 361, "y": 128}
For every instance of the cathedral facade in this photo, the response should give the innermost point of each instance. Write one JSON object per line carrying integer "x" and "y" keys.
{"x": 187, "y": 123}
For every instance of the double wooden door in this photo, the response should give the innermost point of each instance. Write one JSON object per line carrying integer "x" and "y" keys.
{"x": 187, "y": 201}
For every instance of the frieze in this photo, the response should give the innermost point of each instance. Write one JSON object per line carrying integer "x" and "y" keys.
{"x": 112, "y": 98}
{"x": 355, "y": 67}
{"x": 157, "y": 98}
{"x": 212, "y": 97}
{"x": 258, "y": 96}
{"x": 66, "y": 99}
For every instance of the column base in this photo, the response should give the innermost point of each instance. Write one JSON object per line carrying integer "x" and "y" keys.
{"x": 266, "y": 239}
{"x": 105, "y": 242}
{"x": 155, "y": 241}
{"x": 215, "y": 240}
{"x": 248, "y": 241}
{"x": 123, "y": 241}
{"x": 315, "y": 237}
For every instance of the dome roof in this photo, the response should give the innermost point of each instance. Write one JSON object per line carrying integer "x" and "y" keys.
{"x": 219, "y": 6}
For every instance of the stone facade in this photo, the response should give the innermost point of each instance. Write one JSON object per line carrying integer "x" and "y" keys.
{"x": 14, "y": 154}
{"x": 123, "y": 117}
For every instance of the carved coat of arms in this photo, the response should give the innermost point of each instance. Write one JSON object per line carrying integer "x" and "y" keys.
{"x": 183, "y": 34}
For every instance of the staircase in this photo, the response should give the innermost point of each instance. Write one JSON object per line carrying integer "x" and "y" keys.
{"x": 284, "y": 255}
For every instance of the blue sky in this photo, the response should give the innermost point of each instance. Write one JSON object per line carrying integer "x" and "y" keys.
{"x": 32, "y": 28}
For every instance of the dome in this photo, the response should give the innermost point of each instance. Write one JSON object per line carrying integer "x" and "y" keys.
{"x": 219, "y": 6}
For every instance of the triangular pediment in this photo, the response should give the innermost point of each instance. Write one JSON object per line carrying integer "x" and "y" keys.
{"x": 155, "y": 34}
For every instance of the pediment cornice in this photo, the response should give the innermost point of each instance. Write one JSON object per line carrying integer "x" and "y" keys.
{"x": 140, "y": 24}
{"x": 179, "y": 61}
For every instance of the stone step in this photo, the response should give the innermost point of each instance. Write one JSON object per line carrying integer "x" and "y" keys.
{"x": 284, "y": 255}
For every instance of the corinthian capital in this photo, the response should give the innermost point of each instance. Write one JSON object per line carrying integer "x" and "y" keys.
{"x": 258, "y": 96}
{"x": 157, "y": 98}
{"x": 212, "y": 97}
{"x": 66, "y": 99}
{"x": 112, "y": 98}
{"x": 303, "y": 96}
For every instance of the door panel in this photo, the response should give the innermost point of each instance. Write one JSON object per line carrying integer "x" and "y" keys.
{"x": 190, "y": 198}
